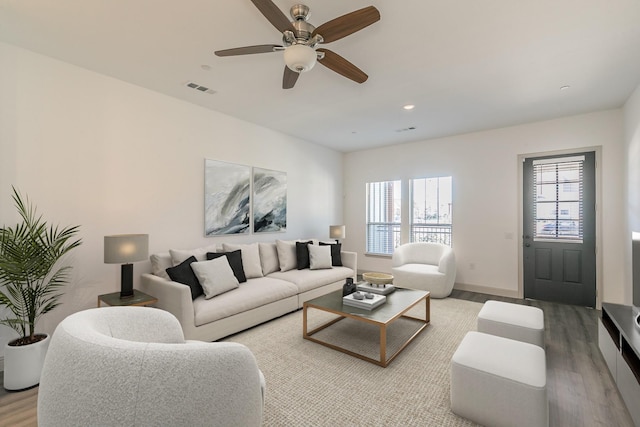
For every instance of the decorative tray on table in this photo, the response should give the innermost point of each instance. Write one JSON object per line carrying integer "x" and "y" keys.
{"x": 377, "y": 283}
{"x": 375, "y": 289}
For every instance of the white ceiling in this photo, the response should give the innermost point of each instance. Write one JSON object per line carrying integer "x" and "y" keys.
{"x": 467, "y": 65}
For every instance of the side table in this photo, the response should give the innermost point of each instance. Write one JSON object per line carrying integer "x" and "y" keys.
{"x": 139, "y": 298}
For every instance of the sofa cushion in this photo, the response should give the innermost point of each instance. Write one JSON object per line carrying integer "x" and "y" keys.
{"x": 252, "y": 294}
{"x": 307, "y": 279}
{"x": 268, "y": 257}
{"x": 286, "y": 254}
{"x": 302, "y": 254}
{"x": 250, "y": 258}
{"x": 336, "y": 249}
{"x": 215, "y": 276}
{"x": 235, "y": 262}
{"x": 179, "y": 255}
{"x": 159, "y": 264}
{"x": 319, "y": 257}
{"x": 183, "y": 273}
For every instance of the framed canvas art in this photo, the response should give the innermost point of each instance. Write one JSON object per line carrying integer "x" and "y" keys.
{"x": 269, "y": 201}
{"x": 226, "y": 198}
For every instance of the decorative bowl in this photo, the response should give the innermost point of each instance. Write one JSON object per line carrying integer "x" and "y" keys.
{"x": 378, "y": 278}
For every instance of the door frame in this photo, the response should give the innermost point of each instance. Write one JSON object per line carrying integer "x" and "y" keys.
{"x": 521, "y": 158}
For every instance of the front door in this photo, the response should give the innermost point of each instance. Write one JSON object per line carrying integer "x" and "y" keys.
{"x": 559, "y": 229}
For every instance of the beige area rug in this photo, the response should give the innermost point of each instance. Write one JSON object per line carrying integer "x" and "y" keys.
{"x": 311, "y": 385}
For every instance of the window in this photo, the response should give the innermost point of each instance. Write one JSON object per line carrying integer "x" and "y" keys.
{"x": 558, "y": 206}
{"x": 383, "y": 216}
{"x": 431, "y": 204}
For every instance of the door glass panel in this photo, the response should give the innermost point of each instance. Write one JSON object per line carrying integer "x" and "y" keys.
{"x": 546, "y": 211}
{"x": 558, "y": 198}
{"x": 546, "y": 192}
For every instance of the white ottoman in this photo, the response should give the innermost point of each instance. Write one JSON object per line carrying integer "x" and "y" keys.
{"x": 499, "y": 382}
{"x": 515, "y": 321}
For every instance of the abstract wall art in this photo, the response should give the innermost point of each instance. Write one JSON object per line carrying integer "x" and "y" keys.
{"x": 269, "y": 201}
{"x": 226, "y": 199}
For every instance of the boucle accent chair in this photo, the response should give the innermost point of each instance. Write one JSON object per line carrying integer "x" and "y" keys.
{"x": 131, "y": 366}
{"x": 426, "y": 266}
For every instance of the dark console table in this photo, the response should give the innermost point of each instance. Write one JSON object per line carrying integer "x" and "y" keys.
{"x": 619, "y": 342}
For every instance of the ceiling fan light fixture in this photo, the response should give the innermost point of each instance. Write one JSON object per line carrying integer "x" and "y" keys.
{"x": 300, "y": 58}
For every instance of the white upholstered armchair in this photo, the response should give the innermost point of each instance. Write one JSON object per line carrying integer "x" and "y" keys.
{"x": 427, "y": 266}
{"x": 131, "y": 366}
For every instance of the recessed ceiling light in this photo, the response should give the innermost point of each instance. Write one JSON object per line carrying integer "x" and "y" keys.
{"x": 409, "y": 107}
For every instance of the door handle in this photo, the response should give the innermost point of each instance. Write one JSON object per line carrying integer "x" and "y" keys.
{"x": 526, "y": 245}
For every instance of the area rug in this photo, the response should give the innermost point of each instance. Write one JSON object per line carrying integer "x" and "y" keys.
{"x": 312, "y": 385}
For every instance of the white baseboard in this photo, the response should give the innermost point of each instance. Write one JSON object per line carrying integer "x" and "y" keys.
{"x": 487, "y": 290}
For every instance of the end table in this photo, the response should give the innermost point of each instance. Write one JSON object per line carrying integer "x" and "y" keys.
{"x": 139, "y": 299}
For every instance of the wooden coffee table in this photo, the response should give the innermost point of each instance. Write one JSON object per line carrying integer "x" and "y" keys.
{"x": 396, "y": 306}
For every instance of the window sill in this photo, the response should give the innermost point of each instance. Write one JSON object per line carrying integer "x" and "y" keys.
{"x": 371, "y": 254}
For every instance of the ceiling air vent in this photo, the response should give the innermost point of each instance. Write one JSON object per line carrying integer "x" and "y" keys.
{"x": 200, "y": 88}
{"x": 406, "y": 129}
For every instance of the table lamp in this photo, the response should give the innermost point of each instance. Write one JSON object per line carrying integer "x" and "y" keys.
{"x": 125, "y": 249}
{"x": 337, "y": 232}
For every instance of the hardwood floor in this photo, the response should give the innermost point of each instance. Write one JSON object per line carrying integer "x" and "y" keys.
{"x": 580, "y": 388}
{"x": 18, "y": 409}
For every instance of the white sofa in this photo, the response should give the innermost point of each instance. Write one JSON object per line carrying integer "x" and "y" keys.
{"x": 268, "y": 292}
{"x": 426, "y": 266}
{"x": 131, "y": 366}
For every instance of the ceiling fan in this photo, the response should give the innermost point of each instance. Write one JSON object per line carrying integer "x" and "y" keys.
{"x": 300, "y": 40}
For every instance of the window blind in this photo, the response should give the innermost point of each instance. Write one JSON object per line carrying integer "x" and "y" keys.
{"x": 558, "y": 198}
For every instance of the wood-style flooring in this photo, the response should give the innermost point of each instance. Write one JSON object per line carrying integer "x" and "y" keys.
{"x": 580, "y": 388}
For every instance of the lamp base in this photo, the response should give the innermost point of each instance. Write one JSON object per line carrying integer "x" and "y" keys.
{"x": 126, "y": 281}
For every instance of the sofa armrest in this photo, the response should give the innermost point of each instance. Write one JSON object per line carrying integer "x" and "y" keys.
{"x": 350, "y": 260}
{"x": 173, "y": 297}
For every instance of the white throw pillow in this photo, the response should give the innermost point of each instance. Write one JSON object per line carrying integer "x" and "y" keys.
{"x": 269, "y": 258}
{"x": 250, "y": 258}
{"x": 287, "y": 255}
{"x": 215, "y": 276}
{"x": 319, "y": 257}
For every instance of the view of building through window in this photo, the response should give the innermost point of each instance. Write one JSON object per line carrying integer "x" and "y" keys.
{"x": 384, "y": 213}
{"x": 430, "y": 207}
{"x": 431, "y": 204}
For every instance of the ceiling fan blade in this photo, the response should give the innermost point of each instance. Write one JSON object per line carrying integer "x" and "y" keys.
{"x": 289, "y": 78}
{"x": 248, "y": 50}
{"x": 347, "y": 24}
{"x": 341, "y": 66}
{"x": 274, "y": 15}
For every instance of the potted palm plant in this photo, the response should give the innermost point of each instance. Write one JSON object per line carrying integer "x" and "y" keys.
{"x": 32, "y": 274}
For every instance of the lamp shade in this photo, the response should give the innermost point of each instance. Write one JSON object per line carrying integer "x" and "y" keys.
{"x": 300, "y": 58}
{"x": 126, "y": 248}
{"x": 337, "y": 231}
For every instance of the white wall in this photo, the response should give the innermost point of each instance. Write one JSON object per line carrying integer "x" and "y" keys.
{"x": 484, "y": 166}
{"x": 116, "y": 158}
{"x": 632, "y": 150}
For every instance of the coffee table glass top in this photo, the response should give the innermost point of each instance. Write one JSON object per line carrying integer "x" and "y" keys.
{"x": 395, "y": 304}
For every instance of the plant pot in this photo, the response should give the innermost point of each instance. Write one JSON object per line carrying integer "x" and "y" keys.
{"x": 23, "y": 364}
